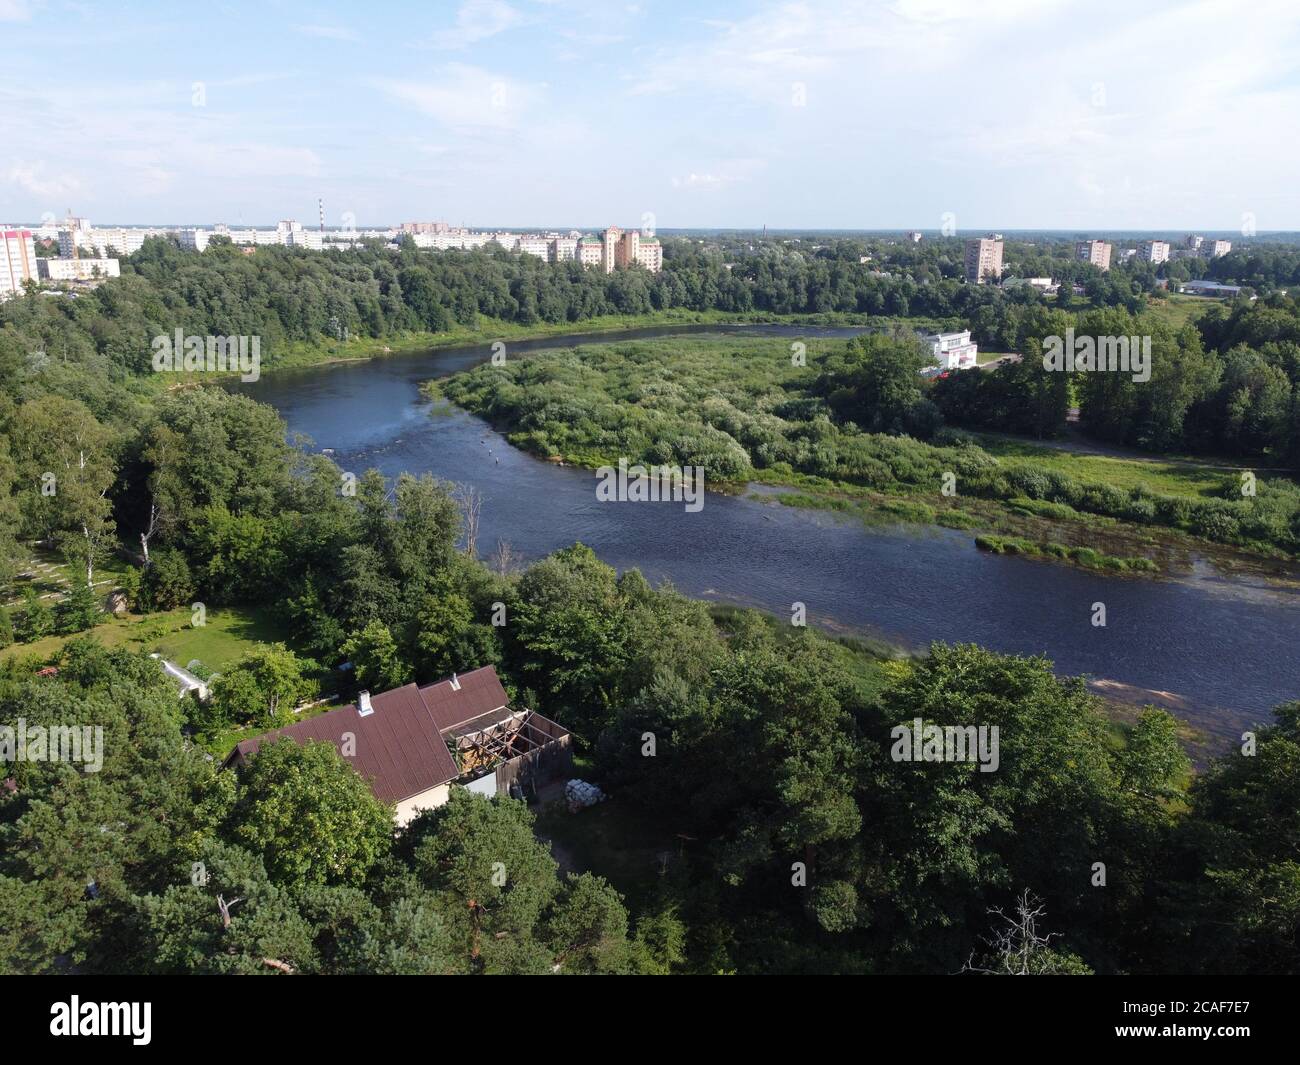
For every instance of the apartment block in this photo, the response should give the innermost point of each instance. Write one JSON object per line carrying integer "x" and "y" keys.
{"x": 82, "y": 269}
{"x": 457, "y": 237}
{"x": 1153, "y": 251}
{"x": 17, "y": 260}
{"x": 984, "y": 259}
{"x": 101, "y": 241}
{"x": 531, "y": 244}
{"x": 424, "y": 227}
{"x": 622, "y": 248}
{"x": 1096, "y": 252}
{"x": 292, "y": 234}
{"x": 591, "y": 251}
{"x": 612, "y": 237}
{"x": 649, "y": 253}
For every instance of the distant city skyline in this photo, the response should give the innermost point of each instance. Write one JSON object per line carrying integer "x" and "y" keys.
{"x": 1014, "y": 115}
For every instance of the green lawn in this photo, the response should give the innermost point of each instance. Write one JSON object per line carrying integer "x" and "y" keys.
{"x": 1173, "y": 478}
{"x": 229, "y": 632}
{"x": 1178, "y": 309}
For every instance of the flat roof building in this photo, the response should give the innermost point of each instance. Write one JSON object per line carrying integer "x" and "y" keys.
{"x": 1153, "y": 251}
{"x": 1096, "y": 252}
{"x": 952, "y": 351}
{"x": 17, "y": 260}
{"x": 984, "y": 259}
{"x": 83, "y": 269}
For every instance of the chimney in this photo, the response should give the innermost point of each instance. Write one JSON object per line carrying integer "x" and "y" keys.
{"x": 364, "y": 707}
{"x": 455, "y": 683}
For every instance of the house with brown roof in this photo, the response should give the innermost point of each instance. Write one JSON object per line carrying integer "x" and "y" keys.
{"x": 412, "y": 744}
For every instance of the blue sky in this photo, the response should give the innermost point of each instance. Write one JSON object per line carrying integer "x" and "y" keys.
{"x": 1086, "y": 115}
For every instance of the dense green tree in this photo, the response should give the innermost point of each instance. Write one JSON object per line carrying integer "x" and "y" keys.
{"x": 309, "y": 814}
{"x": 37, "y": 618}
{"x": 262, "y": 687}
{"x": 166, "y": 582}
{"x": 374, "y": 656}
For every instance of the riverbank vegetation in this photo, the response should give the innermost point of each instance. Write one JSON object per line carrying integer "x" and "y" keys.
{"x": 1086, "y": 557}
{"x": 855, "y": 418}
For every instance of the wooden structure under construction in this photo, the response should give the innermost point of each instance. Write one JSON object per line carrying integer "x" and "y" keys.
{"x": 521, "y": 748}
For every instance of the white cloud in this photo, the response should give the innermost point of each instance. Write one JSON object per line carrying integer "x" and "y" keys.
{"x": 34, "y": 178}
{"x": 476, "y": 20}
{"x": 16, "y": 10}
{"x": 722, "y": 174}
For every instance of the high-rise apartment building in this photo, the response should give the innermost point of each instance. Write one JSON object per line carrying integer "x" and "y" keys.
{"x": 17, "y": 260}
{"x": 624, "y": 247}
{"x": 1096, "y": 252}
{"x": 1153, "y": 251}
{"x": 591, "y": 251}
{"x": 984, "y": 260}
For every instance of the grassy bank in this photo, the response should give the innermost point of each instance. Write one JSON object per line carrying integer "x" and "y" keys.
{"x": 1085, "y": 557}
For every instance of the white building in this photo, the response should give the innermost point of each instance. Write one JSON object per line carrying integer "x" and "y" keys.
{"x": 1153, "y": 251}
{"x": 292, "y": 234}
{"x": 100, "y": 242}
{"x": 953, "y": 351}
{"x": 1096, "y": 252}
{"x": 17, "y": 260}
{"x": 535, "y": 244}
{"x": 77, "y": 269}
{"x": 463, "y": 239}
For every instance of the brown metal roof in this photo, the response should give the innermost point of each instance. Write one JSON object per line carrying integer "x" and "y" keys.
{"x": 480, "y": 693}
{"x": 399, "y": 747}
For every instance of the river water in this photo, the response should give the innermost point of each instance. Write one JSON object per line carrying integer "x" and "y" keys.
{"x": 1228, "y": 648}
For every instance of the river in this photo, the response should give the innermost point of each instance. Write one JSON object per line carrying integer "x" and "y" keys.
{"x": 1226, "y": 648}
